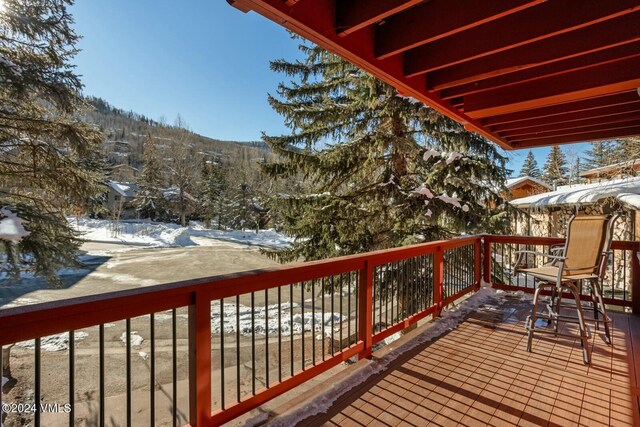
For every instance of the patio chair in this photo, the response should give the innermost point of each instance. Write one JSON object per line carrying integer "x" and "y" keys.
{"x": 583, "y": 258}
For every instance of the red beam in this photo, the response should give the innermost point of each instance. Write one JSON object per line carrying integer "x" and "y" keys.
{"x": 568, "y": 65}
{"x": 591, "y": 82}
{"x": 365, "y": 301}
{"x": 586, "y": 124}
{"x": 354, "y": 15}
{"x": 594, "y": 136}
{"x": 604, "y": 35}
{"x": 569, "y": 117}
{"x": 595, "y": 103}
{"x": 200, "y": 361}
{"x": 437, "y": 19}
{"x": 579, "y": 131}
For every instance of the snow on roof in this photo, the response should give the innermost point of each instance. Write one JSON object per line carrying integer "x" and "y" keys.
{"x": 626, "y": 190}
{"x": 512, "y": 182}
{"x": 613, "y": 167}
{"x": 126, "y": 189}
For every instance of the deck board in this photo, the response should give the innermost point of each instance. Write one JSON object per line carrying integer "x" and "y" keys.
{"x": 481, "y": 374}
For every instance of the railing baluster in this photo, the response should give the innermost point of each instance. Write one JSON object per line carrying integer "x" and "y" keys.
{"x": 37, "y": 373}
{"x": 152, "y": 370}
{"x": 322, "y": 289}
{"x": 341, "y": 311}
{"x": 102, "y": 388}
{"x": 253, "y": 343}
{"x": 174, "y": 370}
{"x": 313, "y": 322}
{"x": 266, "y": 336}
{"x": 72, "y": 377}
{"x": 291, "y": 328}
{"x": 279, "y": 334}
{"x": 222, "y": 382}
{"x": 128, "y": 370}
{"x": 332, "y": 318}
{"x": 348, "y": 309}
{"x": 635, "y": 278}
{"x": 366, "y": 314}
{"x": 238, "y": 348}
{"x": 302, "y": 317}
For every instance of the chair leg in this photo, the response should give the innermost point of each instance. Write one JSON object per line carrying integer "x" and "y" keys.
{"x": 584, "y": 340}
{"x": 598, "y": 300}
{"x": 595, "y": 303}
{"x": 558, "y": 308}
{"x": 534, "y": 313}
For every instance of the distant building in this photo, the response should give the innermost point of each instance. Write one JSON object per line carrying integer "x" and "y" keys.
{"x": 525, "y": 186}
{"x": 547, "y": 212}
{"x": 124, "y": 173}
{"x": 615, "y": 171}
{"x": 120, "y": 197}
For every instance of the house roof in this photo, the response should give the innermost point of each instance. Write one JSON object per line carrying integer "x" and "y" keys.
{"x": 513, "y": 182}
{"x": 125, "y": 189}
{"x": 635, "y": 164}
{"x": 522, "y": 73}
{"x": 626, "y": 190}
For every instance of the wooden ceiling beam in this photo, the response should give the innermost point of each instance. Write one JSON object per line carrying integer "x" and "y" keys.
{"x": 605, "y": 35}
{"x": 354, "y": 15}
{"x": 600, "y": 80}
{"x": 530, "y": 25}
{"x": 599, "y": 102}
{"x": 568, "y": 65}
{"x": 591, "y": 122}
{"x": 577, "y": 132}
{"x": 568, "y": 117}
{"x": 593, "y": 136}
{"x": 437, "y": 19}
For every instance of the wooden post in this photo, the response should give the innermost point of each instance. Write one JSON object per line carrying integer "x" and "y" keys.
{"x": 438, "y": 281}
{"x": 487, "y": 259}
{"x": 477, "y": 258}
{"x": 200, "y": 361}
{"x": 365, "y": 300}
{"x": 635, "y": 279}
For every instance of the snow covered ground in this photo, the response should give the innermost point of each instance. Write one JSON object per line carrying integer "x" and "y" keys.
{"x": 167, "y": 234}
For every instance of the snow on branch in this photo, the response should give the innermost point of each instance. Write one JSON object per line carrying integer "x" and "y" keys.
{"x": 11, "y": 228}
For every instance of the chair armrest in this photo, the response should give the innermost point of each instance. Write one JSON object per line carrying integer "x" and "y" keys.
{"x": 556, "y": 257}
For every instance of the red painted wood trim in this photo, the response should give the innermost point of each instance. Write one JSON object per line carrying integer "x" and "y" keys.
{"x": 200, "y": 361}
{"x": 486, "y": 261}
{"x": 233, "y": 410}
{"x": 569, "y": 117}
{"x": 477, "y": 268}
{"x": 354, "y": 15}
{"x": 365, "y": 301}
{"x": 560, "y": 111}
{"x": 574, "y": 44}
{"x": 537, "y": 23}
{"x": 535, "y": 73}
{"x": 438, "y": 281}
{"x": 437, "y": 19}
{"x": 594, "y": 81}
{"x": 635, "y": 279}
{"x": 593, "y": 136}
{"x": 404, "y": 324}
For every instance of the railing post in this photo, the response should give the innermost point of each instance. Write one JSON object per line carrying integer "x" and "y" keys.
{"x": 365, "y": 300}
{"x": 486, "y": 270}
{"x": 438, "y": 281}
{"x": 477, "y": 258}
{"x": 200, "y": 360}
{"x": 635, "y": 279}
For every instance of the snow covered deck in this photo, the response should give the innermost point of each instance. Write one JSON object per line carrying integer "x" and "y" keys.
{"x": 481, "y": 374}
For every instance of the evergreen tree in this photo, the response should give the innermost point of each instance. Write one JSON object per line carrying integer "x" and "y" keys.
{"x": 601, "y": 154}
{"x": 530, "y": 166}
{"x": 555, "y": 169}
{"x": 44, "y": 144}
{"x": 150, "y": 202}
{"x": 627, "y": 149}
{"x": 385, "y": 170}
{"x": 212, "y": 197}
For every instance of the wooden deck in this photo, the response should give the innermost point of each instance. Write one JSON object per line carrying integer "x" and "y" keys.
{"x": 481, "y": 374}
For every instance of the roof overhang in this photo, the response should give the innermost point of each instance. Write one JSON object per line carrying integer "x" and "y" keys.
{"x": 522, "y": 73}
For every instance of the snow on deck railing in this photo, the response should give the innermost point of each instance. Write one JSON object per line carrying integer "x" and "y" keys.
{"x": 249, "y": 336}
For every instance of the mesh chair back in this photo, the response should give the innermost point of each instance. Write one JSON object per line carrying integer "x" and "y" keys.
{"x": 586, "y": 239}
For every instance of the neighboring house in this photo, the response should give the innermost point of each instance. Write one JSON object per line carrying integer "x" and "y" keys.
{"x": 120, "y": 197}
{"x": 618, "y": 170}
{"x": 525, "y": 186}
{"x": 548, "y": 212}
{"x": 124, "y": 173}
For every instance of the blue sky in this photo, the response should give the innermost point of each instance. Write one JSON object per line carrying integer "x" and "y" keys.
{"x": 202, "y": 59}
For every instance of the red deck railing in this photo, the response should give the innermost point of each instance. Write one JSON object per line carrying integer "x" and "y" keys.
{"x": 282, "y": 326}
